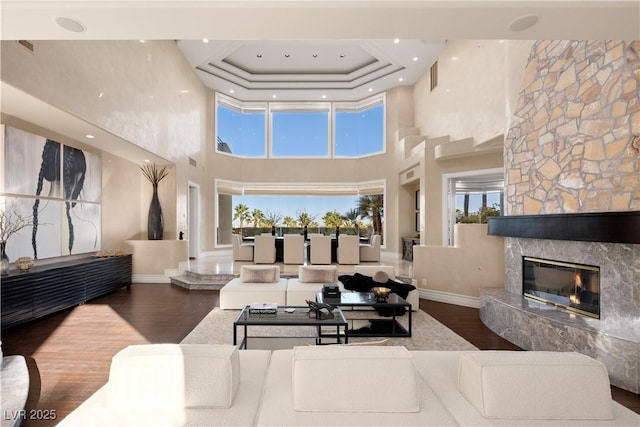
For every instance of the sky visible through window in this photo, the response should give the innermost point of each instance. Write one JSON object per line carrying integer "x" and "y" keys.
{"x": 243, "y": 132}
{"x": 300, "y": 133}
{"x": 359, "y": 132}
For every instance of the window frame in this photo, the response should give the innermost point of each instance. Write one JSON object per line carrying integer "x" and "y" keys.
{"x": 359, "y": 106}
{"x": 242, "y": 107}
{"x": 292, "y": 107}
{"x": 270, "y": 106}
{"x": 448, "y": 199}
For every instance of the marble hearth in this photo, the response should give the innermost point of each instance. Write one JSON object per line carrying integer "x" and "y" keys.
{"x": 614, "y": 339}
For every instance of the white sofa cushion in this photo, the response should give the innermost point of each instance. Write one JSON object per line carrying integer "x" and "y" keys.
{"x": 535, "y": 385}
{"x": 174, "y": 376}
{"x": 318, "y": 274}
{"x": 259, "y": 273}
{"x": 358, "y": 376}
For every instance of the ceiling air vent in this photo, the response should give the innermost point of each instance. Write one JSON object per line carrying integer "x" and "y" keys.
{"x": 26, "y": 44}
{"x": 193, "y": 162}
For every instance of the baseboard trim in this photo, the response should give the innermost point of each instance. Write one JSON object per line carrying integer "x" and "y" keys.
{"x": 449, "y": 298}
{"x": 150, "y": 278}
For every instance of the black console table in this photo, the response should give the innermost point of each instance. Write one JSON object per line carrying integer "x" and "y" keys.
{"x": 54, "y": 287}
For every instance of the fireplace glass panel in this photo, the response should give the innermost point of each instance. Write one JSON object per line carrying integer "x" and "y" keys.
{"x": 575, "y": 287}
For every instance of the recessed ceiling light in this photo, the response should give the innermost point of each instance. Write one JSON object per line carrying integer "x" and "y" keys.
{"x": 205, "y": 40}
{"x": 454, "y": 58}
{"x": 259, "y": 55}
{"x": 324, "y": 96}
{"x": 286, "y": 55}
{"x": 415, "y": 58}
{"x": 315, "y": 55}
{"x": 523, "y": 23}
{"x": 70, "y": 24}
{"x": 146, "y": 160}
{"x": 401, "y": 79}
{"x": 89, "y": 136}
{"x": 101, "y": 94}
{"x": 184, "y": 91}
{"x": 370, "y": 89}
{"x": 142, "y": 41}
{"x": 342, "y": 55}
{"x": 231, "y": 90}
{"x": 274, "y": 96}
{"x": 396, "y": 41}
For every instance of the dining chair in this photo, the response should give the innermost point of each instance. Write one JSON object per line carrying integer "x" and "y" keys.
{"x": 348, "y": 251}
{"x": 371, "y": 251}
{"x": 241, "y": 251}
{"x": 293, "y": 249}
{"x": 320, "y": 249}
{"x": 264, "y": 249}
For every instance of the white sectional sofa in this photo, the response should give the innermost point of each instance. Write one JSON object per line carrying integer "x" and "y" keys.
{"x": 257, "y": 283}
{"x": 309, "y": 282}
{"x": 209, "y": 385}
{"x": 262, "y": 283}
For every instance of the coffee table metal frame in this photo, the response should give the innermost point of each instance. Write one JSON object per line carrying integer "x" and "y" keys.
{"x": 300, "y": 317}
{"x": 363, "y": 302}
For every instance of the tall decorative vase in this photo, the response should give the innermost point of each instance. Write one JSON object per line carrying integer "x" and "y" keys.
{"x": 4, "y": 259}
{"x": 155, "y": 224}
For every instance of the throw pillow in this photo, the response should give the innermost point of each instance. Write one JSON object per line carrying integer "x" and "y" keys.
{"x": 259, "y": 274}
{"x": 318, "y": 274}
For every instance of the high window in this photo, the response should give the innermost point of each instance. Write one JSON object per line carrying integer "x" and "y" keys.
{"x": 359, "y": 129}
{"x": 241, "y": 128}
{"x": 300, "y": 129}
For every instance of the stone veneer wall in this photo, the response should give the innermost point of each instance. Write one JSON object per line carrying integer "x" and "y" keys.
{"x": 574, "y": 146}
{"x": 574, "y": 141}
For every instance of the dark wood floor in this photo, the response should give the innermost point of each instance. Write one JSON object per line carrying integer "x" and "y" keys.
{"x": 69, "y": 353}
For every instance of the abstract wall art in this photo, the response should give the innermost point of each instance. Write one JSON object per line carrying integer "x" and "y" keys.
{"x": 58, "y": 187}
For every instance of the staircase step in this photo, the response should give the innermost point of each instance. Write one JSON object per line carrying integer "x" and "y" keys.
{"x": 206, "y": 283}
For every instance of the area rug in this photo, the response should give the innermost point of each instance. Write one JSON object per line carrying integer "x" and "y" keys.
{"x": 427, "y": 333}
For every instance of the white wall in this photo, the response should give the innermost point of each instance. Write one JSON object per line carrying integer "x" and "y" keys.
{"x": 472, "y": 100}
{"x": 143, "y": 92}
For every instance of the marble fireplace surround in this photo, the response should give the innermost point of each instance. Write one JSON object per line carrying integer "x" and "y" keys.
{"x": 614, "y": 339}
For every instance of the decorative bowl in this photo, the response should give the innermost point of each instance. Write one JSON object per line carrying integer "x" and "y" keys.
{"x": 381, "y": 292}
{"x": 24, "y": 263}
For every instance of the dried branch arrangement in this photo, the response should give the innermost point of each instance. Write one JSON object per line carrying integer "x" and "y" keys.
{"x": 154, "y": 173}
{"x": 11, "y": 222}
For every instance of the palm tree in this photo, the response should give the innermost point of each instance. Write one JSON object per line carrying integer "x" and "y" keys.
{"x": 304, "y": 218}
{"x": 332, "y": 219}
{"x": 350, "y": 217}
{"x": 289, "y": 221}
{"x": 242, "y": 214}
{"x": 257, "y": 217}
{"x": 372, "y": 207}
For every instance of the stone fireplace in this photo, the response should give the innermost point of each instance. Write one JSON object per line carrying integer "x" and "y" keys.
{"x": 573, "y": 152}
{"x": 614, "y": 339}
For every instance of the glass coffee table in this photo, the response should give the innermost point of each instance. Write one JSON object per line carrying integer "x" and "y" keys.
{"x": 290, "y": 316}
{"x": 365, "y": 306}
